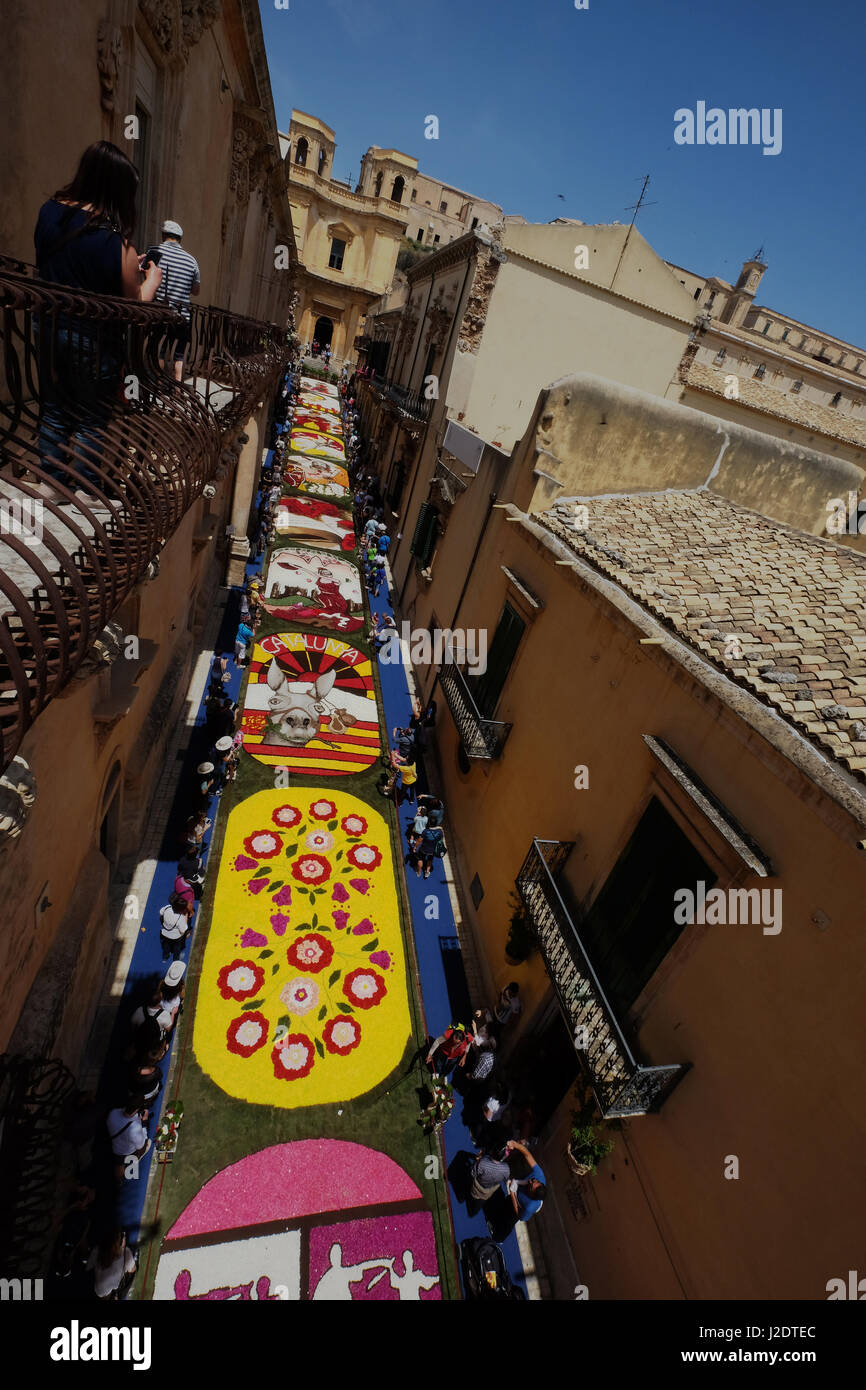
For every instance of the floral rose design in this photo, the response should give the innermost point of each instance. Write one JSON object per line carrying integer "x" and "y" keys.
{"x": 364, "y": 857}
{"x": 340, "y": 1035}
{"x": 300, "y": 996}
{"x": 245, "y": 1035}
{"x": 240, "y": 980}
{"x": 293, "y": 1057}
{"x": 364, "y": 988}
{"x": 319, "y": 840}
{"x": 312, "y": 868}
{"x": 286, "y": 816}
{"x": 323, "y": 810}
{"x": 263, "y": 844}
{"x": 312, "y": 953}
{"x": 354, "y": 825}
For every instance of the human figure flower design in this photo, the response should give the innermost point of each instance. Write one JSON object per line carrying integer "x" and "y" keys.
{"x": 303, "y": 997}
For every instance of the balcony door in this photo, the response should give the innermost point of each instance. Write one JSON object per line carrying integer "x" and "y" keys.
{"x": 487, "y": 688}
{"x": 630, "y": 927}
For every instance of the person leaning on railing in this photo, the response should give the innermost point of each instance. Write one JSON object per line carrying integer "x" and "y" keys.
{"x": 83, "y": 239}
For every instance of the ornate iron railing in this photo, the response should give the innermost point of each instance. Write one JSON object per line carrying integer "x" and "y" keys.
{"x": 102, "y": 453}
{"x": 406, "y": 402}
{"x": 622, "y": 1086}
{"x": 34, "y": 1099}
{"x": 481, "y": 738}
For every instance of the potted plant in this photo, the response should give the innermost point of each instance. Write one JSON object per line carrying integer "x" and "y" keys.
{"x": 585, "y": 1149}
{"x": 434, "y": 1115}
{"x": 521, "y": 937}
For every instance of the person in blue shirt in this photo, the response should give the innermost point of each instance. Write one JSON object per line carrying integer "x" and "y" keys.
{"x": 527, "y": 1194}
{"x": 384, "y": 540}
{"x": 243, "y": 636}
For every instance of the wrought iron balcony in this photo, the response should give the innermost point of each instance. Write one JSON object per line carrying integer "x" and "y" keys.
{"x": 102, "y": 453}
{"x": 406, "y": 402}
{"x": 481, "y": 738}
{"x": 622, "y": 1086}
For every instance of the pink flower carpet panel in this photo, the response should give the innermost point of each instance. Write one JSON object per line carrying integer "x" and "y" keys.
{"x": 315, "y": 588}
{"x": 310, "y": 705}
{"x": 303, "y": 995}
{"x": 320, "y": 1219}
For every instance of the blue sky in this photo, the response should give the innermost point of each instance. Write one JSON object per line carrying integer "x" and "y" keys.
{"x": 537, "y": 99}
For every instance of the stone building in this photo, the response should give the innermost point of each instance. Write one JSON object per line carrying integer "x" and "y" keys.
{"x": 106, "y": 616}
{"x": 746, "y": 360}
{"x": 348, "y": 240}
{"x": 674, "y": 695}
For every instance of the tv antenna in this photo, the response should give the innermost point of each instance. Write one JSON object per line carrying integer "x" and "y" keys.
{"x": 634, "y": 209}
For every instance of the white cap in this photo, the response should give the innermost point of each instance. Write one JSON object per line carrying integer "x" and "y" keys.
{"x": 173, "y": 228}
{"x": 175, "y": 973}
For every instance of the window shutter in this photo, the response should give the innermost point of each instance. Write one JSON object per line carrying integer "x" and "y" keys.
{"x": 424, "y": 539}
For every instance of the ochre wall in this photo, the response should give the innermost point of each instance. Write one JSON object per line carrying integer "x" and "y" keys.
{"x": 772, "y": 1025}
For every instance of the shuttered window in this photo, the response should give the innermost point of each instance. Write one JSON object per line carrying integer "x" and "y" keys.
{"x": 630, "y": 927}
{"x": 424, "y": 539}
{"x": 487, "y": 688}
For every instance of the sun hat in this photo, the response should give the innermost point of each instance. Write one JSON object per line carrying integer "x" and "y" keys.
{"x": 224, "y": 744}
{"x": 175, "y": 973}
{"x": 204, "y": 768}
{"x": 173, "y": 228}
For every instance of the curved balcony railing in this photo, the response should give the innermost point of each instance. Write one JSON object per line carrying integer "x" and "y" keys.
{"x": 623, "y": 1086}
{"x": 102, "y": 453}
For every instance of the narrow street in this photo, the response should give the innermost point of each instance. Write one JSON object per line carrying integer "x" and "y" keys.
{"x": 318, "y": 964}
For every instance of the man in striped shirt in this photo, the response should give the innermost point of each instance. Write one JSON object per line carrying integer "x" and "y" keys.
{"x": 180, "y": 279}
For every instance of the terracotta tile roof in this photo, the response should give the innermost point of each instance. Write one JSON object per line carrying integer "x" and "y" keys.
{"x": 759, "y": 395}
{"x": 780, "y": 612}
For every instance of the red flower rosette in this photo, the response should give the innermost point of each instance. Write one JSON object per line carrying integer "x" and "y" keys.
{"x": 341, "y": 1035}
{"x": 353, "y": 825}
{"x": 311, "y": 869}
{"x": 293, "y": 1057}
{"x": 263, "y": 844}
{"x": 240, "y": 980}
{"x": 364, "y": 857}
{"x": 286, "y": 816}
{"x": 323, "y": 809}
{"x": 245, "y": 1035}
{"x": 311, "y": 952}
{"x": 364, "y": 988}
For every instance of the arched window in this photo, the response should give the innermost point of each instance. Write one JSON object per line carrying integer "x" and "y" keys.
{"x": 323, "y": 159}
{"x": 301, "y": 150}
{"x": 397, "y": 190}
{"x": 378, "y": 183}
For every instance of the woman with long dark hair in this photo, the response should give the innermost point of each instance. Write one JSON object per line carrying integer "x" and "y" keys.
{"x": 83, "y": 239}
{"x": 84, "y": 232}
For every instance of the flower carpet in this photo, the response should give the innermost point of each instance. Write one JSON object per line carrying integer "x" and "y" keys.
{"x": 322, "y": 1219}
{"x": 302, "y": 998}
{"x": 310, "y": 705}
{"x": 302, "y": 1013}
{"x": 315, "y": 588}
